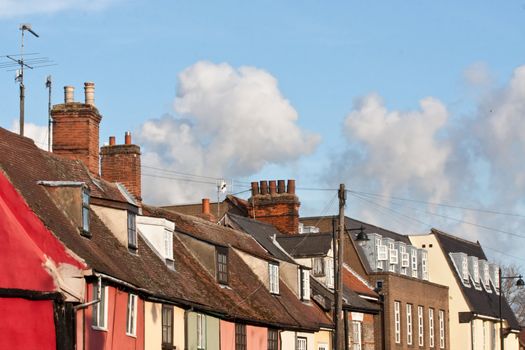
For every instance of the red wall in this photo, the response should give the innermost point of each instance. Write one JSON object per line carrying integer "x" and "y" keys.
{"x": 115, "y": 336}
{"x": 227, "y": 335}
{"x": 256, "y": 338}
{"x": 27, "y": 324}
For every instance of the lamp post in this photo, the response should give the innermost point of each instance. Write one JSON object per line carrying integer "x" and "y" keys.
{"x": 519, "y": 283}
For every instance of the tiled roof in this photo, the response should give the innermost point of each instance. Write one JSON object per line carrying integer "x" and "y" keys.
{"x": 480, "y": 301}
{"x": 230, "y": 204}
{"x": 263, "y": 233}
{"x": 190, "y": 284}
{"x": 307, "y": 244}
{"x": 352, "y": 281}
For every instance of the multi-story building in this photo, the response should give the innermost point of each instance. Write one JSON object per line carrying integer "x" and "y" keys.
{"x": 474, "y": 292}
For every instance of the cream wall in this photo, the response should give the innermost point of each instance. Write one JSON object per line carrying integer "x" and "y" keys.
{"x": 289, "y": 275}
{"x": 322, "y": 338}
{"x": 288, "y": 340}
{"x": 258, "y": 266}
{"x": 116, "y": 220}
{"x": 153, "y": 326}
{"x": 439, "y": 272}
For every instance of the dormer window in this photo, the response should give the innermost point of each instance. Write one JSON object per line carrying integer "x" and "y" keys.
{"x": 319, "y": 267}
{"x": 85, "y": 212}
{"x": 222, "y": 265}
{"x": 273, "y": 270}
{"x": 132, "y": 231}
{"x": 305, "y": 284}
{"x": 464, "y": 269}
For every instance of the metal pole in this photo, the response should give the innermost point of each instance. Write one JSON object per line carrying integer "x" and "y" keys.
{"x": 339, "y": 288}
{"x": 48, "y": 85}
{"x": 22, "y": 88}
{"x": 502, "y": 343}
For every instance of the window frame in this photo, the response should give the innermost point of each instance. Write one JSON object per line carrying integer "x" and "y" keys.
{"x": 240, "y": 336}
{"x": 410, "y": 337}
{"x": 397, "y": 321}
{"x": 96, "y": 309}
{"x": 273, "y": 342}
{"x": 357, "y": 343}
{"x": 201, "y": 331}
{"x": 441, "y": 316}
{"x": 305, "y": 284}
{"x": 318, "y": 267}
{"x": 222, "y": 266}
{"x": 132, "y": 231}
{"x": 273, "y": 277}
{"x": 131, "y": 315}
{"x": 86, "y": 212}
{"x": 299, "y": 340}
{"x": 420, "y": 325}
{"x": 431, "y": 331}
{"x": 330, "y": 272}
{"x": 167, "y": 328}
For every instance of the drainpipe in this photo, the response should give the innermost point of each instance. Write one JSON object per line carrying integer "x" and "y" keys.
{"x": 95, "y": 301}
{"x": 345, "y": 313}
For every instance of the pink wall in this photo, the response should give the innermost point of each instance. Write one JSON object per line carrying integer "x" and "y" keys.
{"x": 27, "y": 324}
{"x": 115, "y": 336}
{"x": 227, "y": 334}
{"x": 256, "y": 338}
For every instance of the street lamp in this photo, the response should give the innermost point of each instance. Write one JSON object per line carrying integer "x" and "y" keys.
{"x": 519, "y": 283}
{"x": 362, "y": 237}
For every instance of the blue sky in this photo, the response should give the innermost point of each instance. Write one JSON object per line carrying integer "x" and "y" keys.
{"x": 342, "y": 71}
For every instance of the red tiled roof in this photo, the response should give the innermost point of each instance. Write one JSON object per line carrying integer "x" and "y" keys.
{"x": 350, "y": 280}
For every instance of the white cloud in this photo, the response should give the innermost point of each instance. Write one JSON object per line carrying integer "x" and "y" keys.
{"x": 15, "y": 8}
{"x": 478, "y": 74}
{"x": 35, "y": 132}
{"x": 230, "y": 122}
{"x": 398, "y": 148}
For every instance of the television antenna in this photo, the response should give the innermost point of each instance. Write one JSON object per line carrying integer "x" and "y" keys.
{"x": 18, "y": 60}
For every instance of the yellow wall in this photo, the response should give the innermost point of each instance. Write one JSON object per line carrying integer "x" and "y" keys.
{"x": 322, "y": 337}
{"x": 153, "y": 326}
{"x": 288, "y": 340}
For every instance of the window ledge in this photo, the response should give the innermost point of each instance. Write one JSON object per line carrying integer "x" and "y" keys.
{"x": 131, "y": 335}
{"x": 97, "y": 328}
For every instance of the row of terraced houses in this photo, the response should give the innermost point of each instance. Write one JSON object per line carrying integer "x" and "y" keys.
{"x": 86, "y": 264}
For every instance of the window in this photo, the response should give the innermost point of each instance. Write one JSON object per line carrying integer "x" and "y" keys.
{"x": 168, "y": 244}
{"x": 409, "y": 324}
{"x": 305, "y": 284}
{"x": 382, "y": 252}
{"x": 240, "y": 336}
{"x": 431, "y": 327}
{"x": 222, "y": 265}
{"x": 441, "y": 329}
{"x": 318, "y": 264}
{"x": 393, "y": 255}
{"x": 273, "y": 339}
{"x": 330, "y": 272}
{"x": 100, "y": 311}
{"x": 131, "y": 324}
{"x": 132, "y": 231}
{"x": 420, "y": 327}
{"x": 167, "y": 327}
{"x": 274, "y": 278}
{"x": 397, "y": 321}
{"x": 464, "y": 269}
{"x": 85, "y": 212}
{"x": 379, "y": 285}
{"x": 301, "y": 343}
{"x": 201, "y": 331}
{"x": 356, "y": 335}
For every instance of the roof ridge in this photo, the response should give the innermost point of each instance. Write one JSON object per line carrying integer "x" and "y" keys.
{"x": 443, "y": 233}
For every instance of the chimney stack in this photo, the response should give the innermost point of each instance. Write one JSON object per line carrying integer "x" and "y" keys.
{"x": 206, "y": 206}
{"x": 121, "y": 163}
{"x": 89, "y": 92}
{"x": 76, "y": 129}
{"x": 279, "y": 206}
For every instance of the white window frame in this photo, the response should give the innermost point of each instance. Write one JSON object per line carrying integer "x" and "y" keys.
{"x": 85, "y": 211}
{"x": 132, "y": 231}
{"x": 424, "y": 267}
{"x": 201, "y": 331}
{"x": 301, "y": 343}
{"x": 464, "y": 269}
{"x": 420, "y": 326}
{"x": 431, "y": 327}
{"x": 409, "y": 324}
{"x": 131, "y": 319}
{"x": 394, "y": 256}
{"x": 318, "y": 267}
{"x": 382, "y": 252}
{"x": 397, "y": 321}
{"x": 441, "y": 316}
{"x": 100, "y": 308}
{"x": 168, "y": 244}
{"x": 273, "y": 278}
{"x": 357, "y": 330}
{"x": 305, "y": 284}
{"x": 414, "y": 262}
{"x": 330, "y": 272}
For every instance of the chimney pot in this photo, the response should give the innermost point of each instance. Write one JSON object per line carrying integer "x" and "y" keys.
{"x": 127, "y": 138}
{"x": 281, "y": 188}
{"x": 255, "y": 188}
{"x": 273, "y": 189}
{"x": 206, "y": 206}
{"x": 69, "y": 94}
{"x": 112, "y": 140}
{"x": 264, "y": 187}
{"x": 291, "y": 186}
{"x": 89, "y": 92}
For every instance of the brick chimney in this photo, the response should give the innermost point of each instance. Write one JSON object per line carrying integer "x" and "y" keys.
{"x": 121, "y": 163}
{"x": 276, "y": 204}
{"x": 76, "y": 127}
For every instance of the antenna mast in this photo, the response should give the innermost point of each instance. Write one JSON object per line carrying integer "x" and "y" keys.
{"x": 49, "y": 121}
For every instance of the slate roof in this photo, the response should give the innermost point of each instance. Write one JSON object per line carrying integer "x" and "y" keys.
{"x": 263, "y": 233}
{"x": 190, "y": 284}
{"x": 307, "y": 244}
{"x": 481, "y": 302}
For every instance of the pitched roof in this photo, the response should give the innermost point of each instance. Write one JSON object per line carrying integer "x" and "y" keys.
{"x": 307, "y": 244}
{"x": 263, "y": 232}
{"x": 357, "y": 284}
{"x": 230, "y": 204}
{"x": 190, "y": 284}
{"x": 480, "y": 301}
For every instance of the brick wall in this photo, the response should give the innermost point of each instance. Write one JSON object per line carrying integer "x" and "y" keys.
{"x": 121, "y": 163}
{"x": 276, "y": 205}
{"x": 76, "y": 133}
